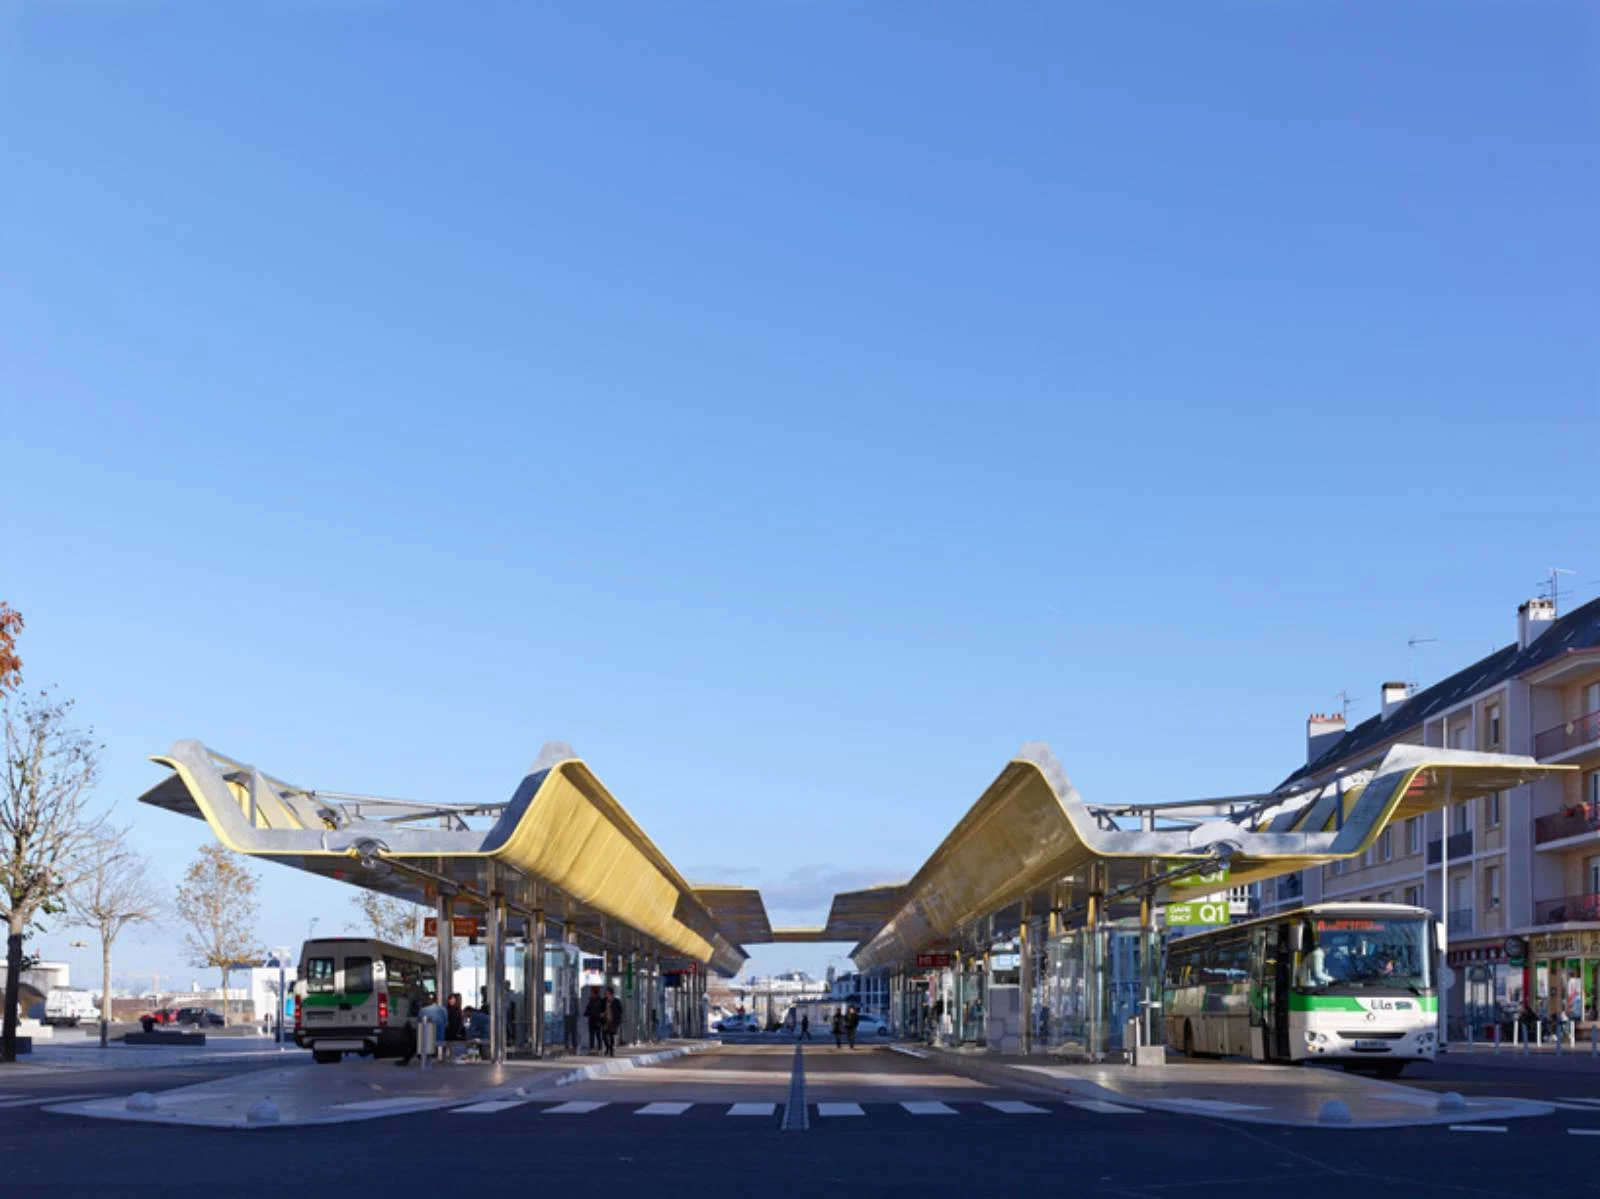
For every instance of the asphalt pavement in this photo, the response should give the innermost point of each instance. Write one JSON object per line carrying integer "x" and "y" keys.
{"x": 714, "y": 1121}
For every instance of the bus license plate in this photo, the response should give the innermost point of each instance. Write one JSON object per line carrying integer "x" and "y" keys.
{"x": 1372, "y": 1044}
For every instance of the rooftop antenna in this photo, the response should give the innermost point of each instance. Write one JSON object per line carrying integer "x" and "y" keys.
{"x": 1411, "y": 659}
{"x": 1346, "y": 702}
{"x": 1554, "y": 586}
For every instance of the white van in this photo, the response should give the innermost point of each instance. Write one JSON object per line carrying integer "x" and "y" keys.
{"x": 357, "y": 995}
{"x": 68, "y": 1005}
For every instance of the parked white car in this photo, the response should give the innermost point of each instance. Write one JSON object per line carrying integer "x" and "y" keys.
{"x": 749, "y": 1022}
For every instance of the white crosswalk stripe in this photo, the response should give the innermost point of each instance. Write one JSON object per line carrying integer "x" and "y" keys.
{"x": 490, "y": 1105}
{"x": 1585, "y": 1100}
{"x": 39, "y": 1100}
{"x": 663, "y": 1109}
{"x": 839, "y": 1109}
{"x": 1583, "y": 1132}
{"x": 925, "y": 1108}
{"x": 1104, "y": 1106}
{"x": 577, "y": 1107}
{"x": 752, "y": 1109}
{"x": 1015, "y": 1107}
{"x": 1477, "y": 1128}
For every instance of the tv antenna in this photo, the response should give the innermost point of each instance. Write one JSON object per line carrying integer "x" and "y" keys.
{"x": 1553, "y": 585}
{"x": 1346, "y": 702}
{"x": 1411, "y": 659}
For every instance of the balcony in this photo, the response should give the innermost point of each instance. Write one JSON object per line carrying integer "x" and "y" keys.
{"x": 1585, "y": 730}
{"x": 1460, "y": 847}
{"x": 1570, "y": 822}
{"x": 1570, "y": 907}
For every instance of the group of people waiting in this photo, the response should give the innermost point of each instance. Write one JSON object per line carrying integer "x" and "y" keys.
{"x": 451, "y": 1021}
{"x": 604, "y": 1014}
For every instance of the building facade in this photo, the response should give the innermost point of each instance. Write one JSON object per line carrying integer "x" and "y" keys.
{"x": 1513, "y": 876}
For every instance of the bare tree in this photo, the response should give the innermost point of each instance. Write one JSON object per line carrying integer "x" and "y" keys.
{"x": 45, "y": 829}
{"x": 118, "y": 890}
{"x": 218, "y": 902}
{"x": 397, "y": 921}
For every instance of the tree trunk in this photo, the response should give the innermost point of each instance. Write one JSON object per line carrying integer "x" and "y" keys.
{"x": 224, "y": 997}
{"x": 105, "y": 991}
{"x": 8, "y": 1032}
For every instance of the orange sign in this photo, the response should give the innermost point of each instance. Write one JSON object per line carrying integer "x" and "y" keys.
{"x": 461, "y": 926}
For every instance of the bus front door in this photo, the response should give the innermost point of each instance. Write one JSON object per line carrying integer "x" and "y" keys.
{"x": 1279, "y": 975}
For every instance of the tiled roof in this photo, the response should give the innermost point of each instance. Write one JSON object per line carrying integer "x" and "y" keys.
{"x": 1578, "y": 629}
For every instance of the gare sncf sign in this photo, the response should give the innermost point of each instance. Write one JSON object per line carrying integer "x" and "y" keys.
{"x": 933, "y": 961}
{"x": 1217, "y": 912}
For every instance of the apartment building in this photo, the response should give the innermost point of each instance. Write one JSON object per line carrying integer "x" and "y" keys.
{"x": 1516, "y": 875}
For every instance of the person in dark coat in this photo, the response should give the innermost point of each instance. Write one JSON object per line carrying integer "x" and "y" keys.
{"x": 613, "y": 1021}
{"x": 852, "y": 1019}
{"x": 838, "y": 1029}
{"x": 595, "y": 1013}
{"x": 455, "y": 1027}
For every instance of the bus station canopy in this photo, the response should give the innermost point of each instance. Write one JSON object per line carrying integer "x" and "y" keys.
{"x": 1030, "y": 831}
{"x": 562, "y": 845}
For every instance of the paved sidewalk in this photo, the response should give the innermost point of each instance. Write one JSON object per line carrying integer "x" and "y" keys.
{"x": 1302, "y": 1096}
{"x": 51, "y": 1059}
{"x": 361, "y": 1090}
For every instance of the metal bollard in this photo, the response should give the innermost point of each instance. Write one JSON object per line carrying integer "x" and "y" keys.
{"x": 1470, "y": 1045}
{"x": 426, "y": 1032}
{"x": 1558, "y": 1039}
{"x": 1594, "y": 1040}
{"x": 1497, "y": 1031}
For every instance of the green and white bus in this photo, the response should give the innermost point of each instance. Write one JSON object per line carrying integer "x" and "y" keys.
{"x": 1345, "y": 982}
{"x": 358, "y": 995}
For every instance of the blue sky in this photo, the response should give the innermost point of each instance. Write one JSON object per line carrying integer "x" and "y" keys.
{"x": 795, "y": 405}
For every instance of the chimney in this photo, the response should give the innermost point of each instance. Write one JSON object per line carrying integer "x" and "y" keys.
{"x": 1321, "y": 732}
{"x": 1533, "y": 618}
{"x": 1394, "y": 694}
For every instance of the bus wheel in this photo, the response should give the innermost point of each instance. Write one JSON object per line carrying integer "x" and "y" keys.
{"x": 325, "y": 1057}
{"x": 1188, "y": 1039}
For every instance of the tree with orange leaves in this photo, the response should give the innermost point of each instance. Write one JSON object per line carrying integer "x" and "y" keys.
{"x": 10, "y": 664}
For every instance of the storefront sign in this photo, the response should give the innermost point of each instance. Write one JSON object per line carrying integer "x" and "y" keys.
{"x": 1198, "y": 913}
{"x": 933, "y": 961}
{"x": 1516, "y": 950}
{"x": 1565, "y": 945}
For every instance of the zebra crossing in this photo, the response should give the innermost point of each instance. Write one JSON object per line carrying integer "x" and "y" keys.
{"x": 822, "y": 1110}
{"x": 10, "y": 1101}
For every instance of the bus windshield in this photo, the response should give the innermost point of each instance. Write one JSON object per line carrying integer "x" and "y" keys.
{"x": 1363, "y": 951}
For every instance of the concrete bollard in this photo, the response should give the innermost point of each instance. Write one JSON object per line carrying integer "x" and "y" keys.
{"x": 1451, "y": 1101}
{"x": 263, "y": 1111}
{"x": 141, "y": 1101}
{"x": 1334, "y": 1112}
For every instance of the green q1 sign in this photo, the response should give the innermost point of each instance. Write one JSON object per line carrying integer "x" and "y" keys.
{"x": 1215, "y": 912}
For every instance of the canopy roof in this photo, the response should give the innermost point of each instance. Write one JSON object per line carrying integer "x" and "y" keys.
{"x": 1031, "y": 829}
{"x": 562, "y": 845}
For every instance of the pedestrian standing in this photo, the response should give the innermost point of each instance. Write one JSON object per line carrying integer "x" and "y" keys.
{"x": 805, "y": 1027}
{"x": 595, "y": 1013}
{"x": 838, "y": 1029}
{"x": 852, "y": 1018}
{"x": 613, "y": 1022}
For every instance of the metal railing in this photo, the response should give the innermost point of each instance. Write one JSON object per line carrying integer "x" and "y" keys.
{"x": 1569, "y": 735}
{"x": 1460, "y": 847}
{"x": 1570, "y": 822}
{"x": 1460, "y": 921}
{"x": 1568, "y": 907}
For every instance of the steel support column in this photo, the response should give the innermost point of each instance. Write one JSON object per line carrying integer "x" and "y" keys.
{"x": 494, "y": 943}
{"x": 536, "y": 935}
{"x": 1025, "y": 980}
{"x": 445, "y": 947}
